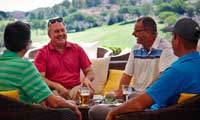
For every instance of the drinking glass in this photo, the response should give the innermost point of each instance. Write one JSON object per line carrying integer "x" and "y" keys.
{"x": 126, "y": 90}
{"x": 84, "y": 97}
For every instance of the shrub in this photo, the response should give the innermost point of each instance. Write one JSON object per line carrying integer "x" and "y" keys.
{"x": 116, "y": 50}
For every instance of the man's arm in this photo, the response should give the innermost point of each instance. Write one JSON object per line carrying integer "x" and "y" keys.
{"x": 89, "y": 76}
{"x": 59, "y": 102}
{"x": 125, "y": 80}
{"x": 89, "y": 73}
{"x": 135, "y": 104}
{"x": 56, "y": 86}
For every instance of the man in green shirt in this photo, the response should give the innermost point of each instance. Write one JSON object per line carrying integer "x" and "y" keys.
{"x": 19, "y": 74}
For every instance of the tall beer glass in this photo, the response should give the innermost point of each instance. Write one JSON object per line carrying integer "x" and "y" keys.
{"x": 84, "y": 98}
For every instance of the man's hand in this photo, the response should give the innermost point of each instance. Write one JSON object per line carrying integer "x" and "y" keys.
{"x": 75, "y": 109}
{"x": 62, "y": 91}
{"x": 119, "y": 94}
{"x": 86, "y": 82}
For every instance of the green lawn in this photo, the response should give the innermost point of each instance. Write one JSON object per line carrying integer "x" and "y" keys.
{"x": 114, "y": 35}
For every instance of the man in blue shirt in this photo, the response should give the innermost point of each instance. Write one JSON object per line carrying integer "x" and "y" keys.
{"x": 181, "y": 77}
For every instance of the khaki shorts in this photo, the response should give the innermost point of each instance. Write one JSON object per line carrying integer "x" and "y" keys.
{"x": 72, "y": 92}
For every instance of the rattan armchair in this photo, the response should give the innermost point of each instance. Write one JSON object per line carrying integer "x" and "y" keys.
{"x": 188, "y": 110}
{"x": 11, "y": 109}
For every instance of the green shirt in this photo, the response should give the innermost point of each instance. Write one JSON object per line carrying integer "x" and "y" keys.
{"x": 19, "y": 74}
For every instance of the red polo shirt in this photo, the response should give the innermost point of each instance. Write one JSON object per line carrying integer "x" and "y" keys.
{"x": 62, "y": 68}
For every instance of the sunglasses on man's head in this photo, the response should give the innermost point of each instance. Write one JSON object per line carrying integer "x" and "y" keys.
{"x": 54, "y": 20}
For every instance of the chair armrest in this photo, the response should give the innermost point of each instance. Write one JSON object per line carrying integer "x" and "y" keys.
{"x": 185, "y": 111}
{"x": 103, "y": 52}
{"x": 119, "y": 61}
{"x": 11, "y": 109}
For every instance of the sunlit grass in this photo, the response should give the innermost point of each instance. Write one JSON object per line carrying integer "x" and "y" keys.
{"x": 114, "y": 35}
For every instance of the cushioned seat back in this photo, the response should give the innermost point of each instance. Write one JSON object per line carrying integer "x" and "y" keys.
{"x": 113, "y": 81}
{"x": 188, "y": 110}
{"x": 12, "y": 94}
{"x": 185, "y": 96}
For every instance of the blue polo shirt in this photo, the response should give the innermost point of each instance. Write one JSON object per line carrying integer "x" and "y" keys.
{"x": 181, "y": 77}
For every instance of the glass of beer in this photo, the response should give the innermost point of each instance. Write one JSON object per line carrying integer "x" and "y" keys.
{"x": 84, "y": 97}
{"x": 126, "y": 90}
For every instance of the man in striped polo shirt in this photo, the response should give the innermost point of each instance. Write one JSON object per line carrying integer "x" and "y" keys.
{"x": 148, "y": 58}
{"x": 19, "y": 74}
{"x": 181, "y": 77}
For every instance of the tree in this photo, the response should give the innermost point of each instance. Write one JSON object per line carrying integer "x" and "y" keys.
{"x": 179, "y": 6}
{"x": 146, "y": 9}
{"x": 157, "y": 2}
{"x": 79, "y": 4}
{"x": 166, "y": 14}
{"x": 170, "y": 20}
{"x": 164, "y": 7}
{"x": 66, "y": 3}
{"x": 197, "y": 7}
{"x": 190, "y": 10}
{"x": 112, "y": 2}
{"x": 3, "y": 15}
{"x": 124, "y": 10}
{"x": 133, "y": 2}
{"x": 122, "y": 2}
{"x": 92, "y": 3}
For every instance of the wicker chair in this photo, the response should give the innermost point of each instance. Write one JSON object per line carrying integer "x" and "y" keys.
{"x": 119, "y": 61}
{"x": 11, "y": 109}
{"x": 188, "y": 110}
{"x": 101, "y": 52}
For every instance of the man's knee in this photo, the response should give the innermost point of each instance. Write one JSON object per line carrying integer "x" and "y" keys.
{"x": 98, "y": 112}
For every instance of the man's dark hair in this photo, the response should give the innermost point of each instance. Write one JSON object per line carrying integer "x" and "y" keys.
{"x": 188, "y": 30}
{"x": 16, "y": 36}
{"x": 149, "y": 24}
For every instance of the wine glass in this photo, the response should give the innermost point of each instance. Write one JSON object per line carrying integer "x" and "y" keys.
{"x": 126, "y": 90}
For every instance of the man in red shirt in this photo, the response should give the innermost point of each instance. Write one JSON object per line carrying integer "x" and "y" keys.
{"x": 60, "y": 61}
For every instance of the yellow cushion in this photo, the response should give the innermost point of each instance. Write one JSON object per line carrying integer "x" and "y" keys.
{"x": 12, "y": 94}
{"x": 185, "y": 96}
{"x": 113, "y": 81}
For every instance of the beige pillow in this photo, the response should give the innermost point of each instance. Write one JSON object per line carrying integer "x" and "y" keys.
{"x": 100, "y": 67}
{"x": 90, "y": 49}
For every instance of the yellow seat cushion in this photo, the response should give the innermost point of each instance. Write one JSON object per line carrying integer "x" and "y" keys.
{"x": 185, "y": 96}
{"x": 12, "y": 94}
{"x": 113, "y": 81}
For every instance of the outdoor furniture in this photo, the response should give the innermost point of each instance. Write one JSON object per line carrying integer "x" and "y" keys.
{"x": 188, "y": 110}
{"x": 11, "y": 109}
{"x": 119, "y": 61}
{"x": 101, "y": 52}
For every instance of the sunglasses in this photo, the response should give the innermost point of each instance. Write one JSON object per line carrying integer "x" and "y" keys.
{"x": 140, "y": 30}
{"x": 54, "y": 20}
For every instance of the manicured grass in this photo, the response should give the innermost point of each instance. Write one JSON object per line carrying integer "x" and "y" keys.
{"x": 114, "y": 35}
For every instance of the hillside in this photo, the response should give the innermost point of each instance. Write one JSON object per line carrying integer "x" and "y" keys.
{"x": 115, "y": 35}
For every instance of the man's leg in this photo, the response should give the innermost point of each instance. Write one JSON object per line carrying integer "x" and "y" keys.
{"x": 99, "y": 112}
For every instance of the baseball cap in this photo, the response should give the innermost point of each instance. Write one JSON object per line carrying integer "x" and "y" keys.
{"x": 188, "y": 29}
